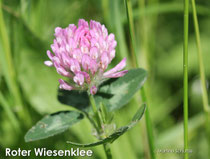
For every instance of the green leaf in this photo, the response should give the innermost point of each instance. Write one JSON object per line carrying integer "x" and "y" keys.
{"x": 117, "y": 93}
{"x": 110, "y": 138}
{"x": 139, "y": 113}
{"x": 119, "y": 132}
{"x": 76, "y": 99}
{"x": 114, "y": 93}
{"x": 53, "y": 124}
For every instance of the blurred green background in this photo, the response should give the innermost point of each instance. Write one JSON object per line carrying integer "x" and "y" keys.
{"x": 28, "y": 89}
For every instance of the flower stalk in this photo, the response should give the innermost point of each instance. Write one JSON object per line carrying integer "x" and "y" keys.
{"x": 95, "y": 112}
{"x": 107, "y": 151}
{"x": 97, "y": 115}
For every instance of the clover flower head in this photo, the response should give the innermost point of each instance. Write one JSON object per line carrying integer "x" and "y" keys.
{"x": 82, "y": 54}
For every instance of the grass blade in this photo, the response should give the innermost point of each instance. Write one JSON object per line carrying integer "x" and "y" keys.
{"x": 142, "y": 91}
{"x": 11, "y": 116}
{"x": 185, "y": 75}
{"x": 8, "y": 66}
{"x": 202, "y": 71}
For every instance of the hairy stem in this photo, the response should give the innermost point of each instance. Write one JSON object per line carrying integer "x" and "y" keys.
{"x": 108, "y": 151}
{"x": 95, "y": 112}
{"x": 99, "y": 126}
{"x": 93, "y": 104}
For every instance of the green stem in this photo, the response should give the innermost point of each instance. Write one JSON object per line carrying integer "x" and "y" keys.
{"x": 95, "y": 112}
{"x": 108, "y": 151}
{"x": 185, "y": 74}
{"x": 202, "y": 70}
{"x": 99, "y": 126}
{"x": 93, "y": 104}
{"x": 142, "y": 91}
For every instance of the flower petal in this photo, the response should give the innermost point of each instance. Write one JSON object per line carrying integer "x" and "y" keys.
{"x": 86, "y": 61}
{"x": 110, "y": 38}
{"x": 65, "y": 60}
{"x": 111, "y": 54}
{"x": 48, "y": 63}
{"x": 118, "y": 67}
{"x": 118, "y": 74}
{"x": 74, "y": 65}
{"x": 104, "y": 61}
{"x": 63, "y": 72}
{"x": 93, "y": 66}
{"x": 79, "y": 79}
{"x": 87, "y": 76}
{"x": 64, "y": 85}
{"x": 50, "y": 55}
{"x": 83, "y": 23}
{"x": 94, "y": 53}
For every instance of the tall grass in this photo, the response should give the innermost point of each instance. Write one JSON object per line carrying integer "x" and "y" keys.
{"x": 10, "y": 114}
{"x": 142, "y": 91}
{"x": 9, "y": 69}
{"x": 185, "y": 75}
{"x": 200, "y": 59}
{"x": 202, "y": 72}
